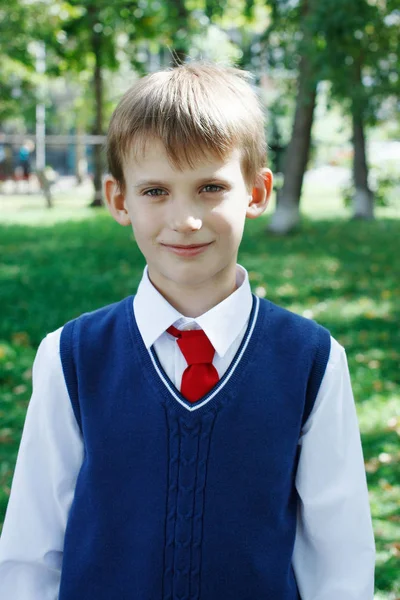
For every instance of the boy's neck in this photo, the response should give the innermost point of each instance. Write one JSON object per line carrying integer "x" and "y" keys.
{"x": 194, "y": 301}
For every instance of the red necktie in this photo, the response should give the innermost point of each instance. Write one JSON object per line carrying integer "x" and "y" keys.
{"x": 200, "y": 376}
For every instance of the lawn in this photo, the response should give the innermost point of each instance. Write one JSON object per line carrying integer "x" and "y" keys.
{"x": 344, "y": 274}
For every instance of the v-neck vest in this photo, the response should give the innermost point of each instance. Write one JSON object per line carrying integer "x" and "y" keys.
{"x": 181, "y": 501}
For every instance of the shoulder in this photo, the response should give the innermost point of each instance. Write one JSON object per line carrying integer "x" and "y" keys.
{"x": 98, "y": 320}
{"x": 47, "y": 372}
{"x": 337, "y": 357}
{"x": 49, "y": 348}
{"x": 295, "y": 335}
{"x": 96, "y": 333}
{"x": 48, "y": 352}
{"x": 104, "y": 312}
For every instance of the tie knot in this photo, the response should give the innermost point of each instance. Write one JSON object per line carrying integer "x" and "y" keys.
{"x": 194, "y": 345}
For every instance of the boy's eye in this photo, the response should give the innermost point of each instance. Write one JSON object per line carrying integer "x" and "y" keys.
{"x": 216, "y": 188}
{"x": 154, "y": 192}
{"x": 210, "y": 188}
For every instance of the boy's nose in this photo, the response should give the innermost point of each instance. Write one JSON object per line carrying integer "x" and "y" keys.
{"x": 186, "y": 224}
{"x": 184, "y": 220}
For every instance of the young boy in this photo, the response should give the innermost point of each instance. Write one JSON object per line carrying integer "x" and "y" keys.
{"x": 193, "y": 441}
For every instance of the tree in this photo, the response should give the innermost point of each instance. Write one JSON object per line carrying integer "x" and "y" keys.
{"x": 298, "y": 20}
{"x": 84, "y": 43}
{"x": 354, "y": 45}
{"x": 359, "y": 54}
{"x": 287, "y": 213}
{"x": 363, "y": 200}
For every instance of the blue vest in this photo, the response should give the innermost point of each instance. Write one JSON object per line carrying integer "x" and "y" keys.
{"x": 180, "y": 501}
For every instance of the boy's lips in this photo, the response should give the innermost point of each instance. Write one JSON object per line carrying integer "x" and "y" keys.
{"x": 186, "y": 249}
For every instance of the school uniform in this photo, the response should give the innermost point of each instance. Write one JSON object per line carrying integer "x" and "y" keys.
{"x": 257, "y": 490}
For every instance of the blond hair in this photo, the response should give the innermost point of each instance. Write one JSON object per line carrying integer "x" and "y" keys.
{"x": 195, "y": 109}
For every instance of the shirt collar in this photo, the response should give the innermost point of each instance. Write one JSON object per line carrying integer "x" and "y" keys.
{"x": 222, "y": 323}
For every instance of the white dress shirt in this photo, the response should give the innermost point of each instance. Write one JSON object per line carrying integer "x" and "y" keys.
{"x": 334, "y": 550}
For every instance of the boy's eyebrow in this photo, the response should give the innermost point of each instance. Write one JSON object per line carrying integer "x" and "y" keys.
{"x": 147, "y": 182}
{"x": 151, "y": 182}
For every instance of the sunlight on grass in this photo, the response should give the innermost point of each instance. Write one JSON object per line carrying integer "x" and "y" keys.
{"x": 337, "y": 309}
{"x": 30, "y": 209}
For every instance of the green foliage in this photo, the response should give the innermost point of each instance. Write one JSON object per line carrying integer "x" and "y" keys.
{"x": 341, "y": 38}
{"x": 342, "y": 274}
{"x": 358, "y": 35}
{"x": 79, "y": 34}
{"x": 16, "y": 61}
{"x": 83, "y": 23}
{"x": 214, "y": 9}
{"x": 22, "y": 24}
{"x": 17, "y": 90}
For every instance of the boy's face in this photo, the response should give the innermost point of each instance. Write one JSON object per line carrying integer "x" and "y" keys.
{"x": 188, "y": 224}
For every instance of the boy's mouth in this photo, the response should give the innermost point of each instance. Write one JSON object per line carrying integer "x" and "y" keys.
{"x": 187, "y": 245}
{"x": 186, "y": 249}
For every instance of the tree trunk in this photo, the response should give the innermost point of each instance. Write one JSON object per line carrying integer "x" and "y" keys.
{"x": 80, "y": 154}
{"x": 287, "y": 213}
{"x": 45, "y": 186}
{"x": 98, "y": 124}
{"x": 363, "y": 200}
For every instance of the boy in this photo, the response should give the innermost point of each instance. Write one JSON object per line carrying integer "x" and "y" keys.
{"x": 192, "y": 442}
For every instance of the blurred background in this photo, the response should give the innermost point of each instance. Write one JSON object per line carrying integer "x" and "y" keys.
{"x": 327, "y": 73}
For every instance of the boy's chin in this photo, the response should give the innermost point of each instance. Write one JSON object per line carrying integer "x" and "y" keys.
{"x": 185, "y": 275}
{"x": 204, "y": 275}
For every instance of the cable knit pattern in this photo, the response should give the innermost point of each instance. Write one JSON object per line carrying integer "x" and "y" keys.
{"x": 198, "y": 512}
{"x": 171, "y": 514}
{"x": 188, "y": 452}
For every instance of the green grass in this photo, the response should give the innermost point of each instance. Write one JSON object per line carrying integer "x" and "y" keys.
{"x": 344, "y": 274}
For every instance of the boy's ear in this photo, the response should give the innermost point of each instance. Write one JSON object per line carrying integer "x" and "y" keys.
{"x": 260, "y": 195}
{"x": 115, "y": 199}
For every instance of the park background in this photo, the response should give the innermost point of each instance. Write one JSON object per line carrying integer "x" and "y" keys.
{"x": 327, "y": 73}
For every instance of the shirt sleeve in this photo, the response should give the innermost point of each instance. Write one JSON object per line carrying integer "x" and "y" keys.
{"x": 334, "y": 553}
{"x": 49, "y": 459}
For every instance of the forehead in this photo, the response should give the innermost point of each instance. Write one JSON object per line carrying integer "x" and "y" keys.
{"x": 154, "y": 161}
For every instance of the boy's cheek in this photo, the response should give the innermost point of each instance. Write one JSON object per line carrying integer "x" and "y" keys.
{"x": 140, "y": 218}
{"x": 230, "y": 220}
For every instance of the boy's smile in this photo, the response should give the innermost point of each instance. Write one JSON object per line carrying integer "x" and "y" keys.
{"x": 188, "y": 224}
{"x": 187, "y": 249}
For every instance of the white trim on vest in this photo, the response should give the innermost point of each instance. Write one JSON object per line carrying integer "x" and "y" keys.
{"x": 230, "y": 371}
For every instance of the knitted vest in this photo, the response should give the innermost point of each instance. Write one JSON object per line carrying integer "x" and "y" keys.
{"x": 180, "y": 501}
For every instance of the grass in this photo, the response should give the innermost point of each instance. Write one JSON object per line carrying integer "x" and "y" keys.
{"x": 344, "y": 274}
